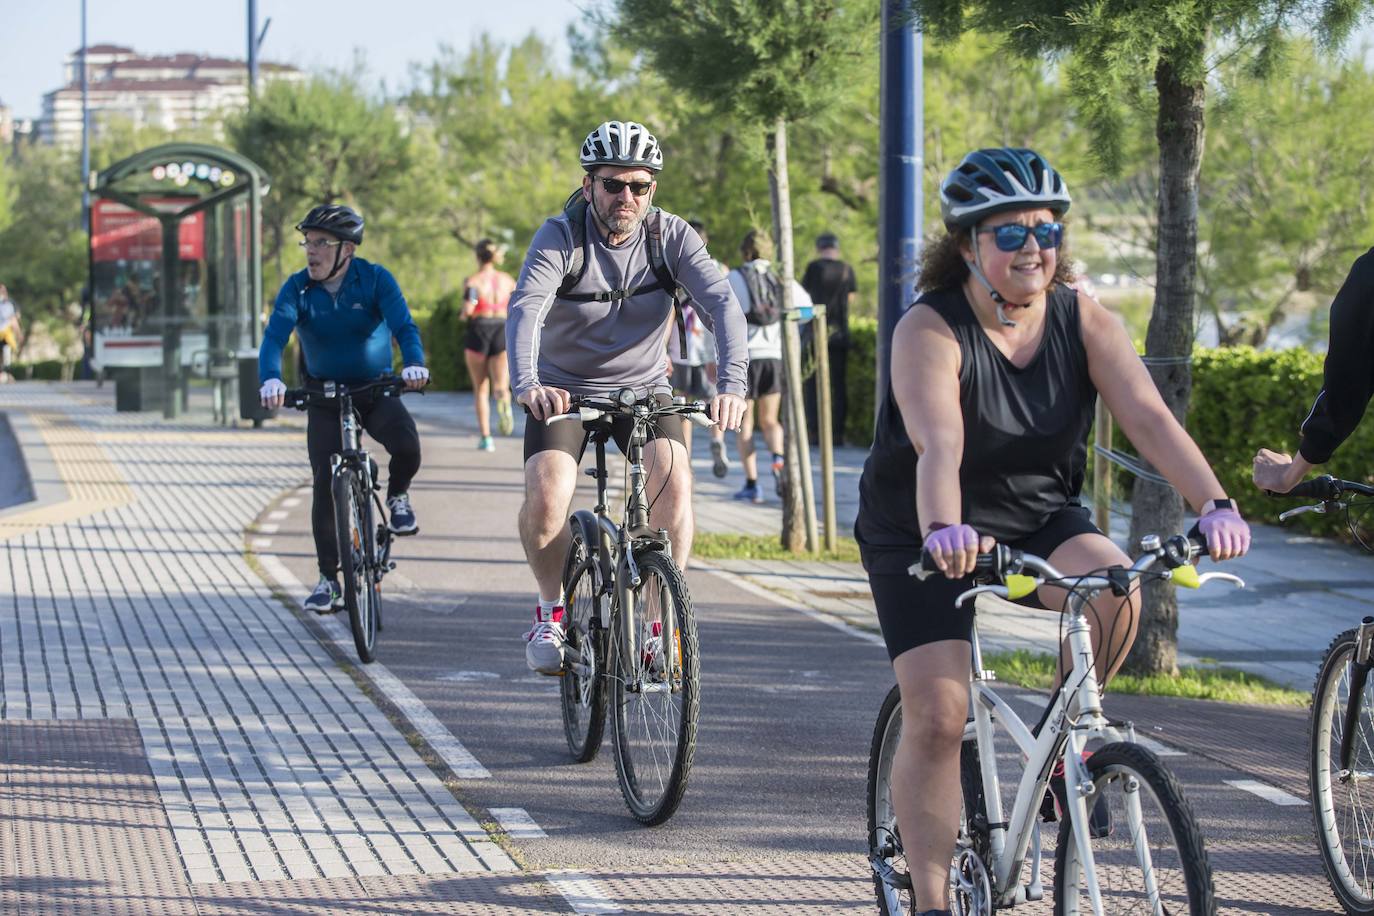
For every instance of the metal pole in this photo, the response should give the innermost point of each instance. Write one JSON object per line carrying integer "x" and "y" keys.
{"x": 85, "y": 138}
{"x": 899, "y": 175}
{"x": 252, "y": 50}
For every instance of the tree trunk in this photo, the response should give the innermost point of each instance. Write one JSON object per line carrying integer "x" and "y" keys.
{"x": 798, "y": 527}
{"x": 1156, "y": 508}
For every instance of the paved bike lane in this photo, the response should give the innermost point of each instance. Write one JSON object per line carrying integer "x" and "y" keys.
{"x": 771, "y": 823}
{"x": 774, "y": 814}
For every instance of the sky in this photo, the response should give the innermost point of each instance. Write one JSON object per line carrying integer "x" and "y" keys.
{"x": 36, "y": 37}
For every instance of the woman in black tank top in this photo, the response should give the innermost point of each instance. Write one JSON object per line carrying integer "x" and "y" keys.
{"x": 982, "y": 437}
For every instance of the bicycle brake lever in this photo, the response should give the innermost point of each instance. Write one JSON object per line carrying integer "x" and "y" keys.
{"x": 1320, "y": 509}
{"x": 1220, "y": 576}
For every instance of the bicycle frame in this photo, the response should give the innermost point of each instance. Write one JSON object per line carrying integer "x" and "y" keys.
{"x": 1074, "y": 719}
{"x": 353, "y": 458}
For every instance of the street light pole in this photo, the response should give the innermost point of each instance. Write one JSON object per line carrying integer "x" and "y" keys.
{"x": 899, "y": 175}
{"x": 85, "y": 136}
{"x": 252, "y": 50}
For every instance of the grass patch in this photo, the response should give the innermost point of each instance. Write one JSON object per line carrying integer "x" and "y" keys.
{"x": 764, "y": 547}
{"x": 1227, "y": 685}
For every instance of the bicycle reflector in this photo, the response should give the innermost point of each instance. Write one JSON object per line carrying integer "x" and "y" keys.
{"x": 1186, "y": 576}
{"x": 1019, "y": 586}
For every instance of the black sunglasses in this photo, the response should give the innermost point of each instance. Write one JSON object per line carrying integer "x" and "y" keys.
{"x": 1012, "y": 236}
{"x": 615, "y": 186}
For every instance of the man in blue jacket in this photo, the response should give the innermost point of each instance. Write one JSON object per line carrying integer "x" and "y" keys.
{"x": 345, "y": 312}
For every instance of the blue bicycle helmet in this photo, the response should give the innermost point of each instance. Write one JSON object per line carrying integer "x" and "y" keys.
{"x": 990, "y": 181}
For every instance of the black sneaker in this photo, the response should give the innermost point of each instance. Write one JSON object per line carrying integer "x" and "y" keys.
{"x": 402, "y": 516}
{"x": 326, "y": 598}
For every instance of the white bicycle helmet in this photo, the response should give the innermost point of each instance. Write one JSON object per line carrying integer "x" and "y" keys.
{"x": 623, "y": 143}
{"x": 990, "y": 181}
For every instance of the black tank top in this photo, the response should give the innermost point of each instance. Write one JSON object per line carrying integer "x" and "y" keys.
{"x": 1025, "y": 436}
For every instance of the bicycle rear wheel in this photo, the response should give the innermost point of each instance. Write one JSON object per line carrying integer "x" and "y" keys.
{"x": 656, "y": 679}
{"x": 1152, "y": 859}
{"x": 582, "y": 689}
{"x": 353, "y": 524}
{"x": 1343, "y": 811}
{"x": 970, "y": 891}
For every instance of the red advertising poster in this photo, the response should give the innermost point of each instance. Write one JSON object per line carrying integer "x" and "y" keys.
{"x": 119, "y": 233}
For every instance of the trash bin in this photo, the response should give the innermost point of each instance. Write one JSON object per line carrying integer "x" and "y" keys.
{"x": 250, "y": 403}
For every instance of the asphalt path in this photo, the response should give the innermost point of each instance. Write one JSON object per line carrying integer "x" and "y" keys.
{"x": 774, "y": 813}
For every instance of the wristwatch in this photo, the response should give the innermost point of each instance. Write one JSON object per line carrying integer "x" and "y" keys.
{"x": 1213, "y": 505}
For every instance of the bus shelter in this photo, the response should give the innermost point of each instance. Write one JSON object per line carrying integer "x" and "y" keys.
{"x": 176, "y": 275}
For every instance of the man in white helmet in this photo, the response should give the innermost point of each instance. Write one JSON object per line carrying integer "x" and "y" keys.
{"x": 589, "y": 316}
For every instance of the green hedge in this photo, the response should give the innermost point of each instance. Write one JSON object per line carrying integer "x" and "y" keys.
{"x": 443, "y": 330}
{"x": 46, "y": 370}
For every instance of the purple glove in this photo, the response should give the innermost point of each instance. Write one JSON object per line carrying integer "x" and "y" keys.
{"x": 944, "y": 545}
{"x": 1226, "y": 532}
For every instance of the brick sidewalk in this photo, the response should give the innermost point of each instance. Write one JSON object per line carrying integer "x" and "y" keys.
{"x": 130, "y": 617}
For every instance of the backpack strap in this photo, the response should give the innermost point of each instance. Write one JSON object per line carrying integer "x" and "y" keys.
{"x": 575, "y": 212}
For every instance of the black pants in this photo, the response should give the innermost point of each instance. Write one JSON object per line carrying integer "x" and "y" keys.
{"x": 839, "y": 395}
{"x": 385, "y": 420}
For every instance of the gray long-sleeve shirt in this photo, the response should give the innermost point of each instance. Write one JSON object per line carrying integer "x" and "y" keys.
{"x": 598, "y": 347}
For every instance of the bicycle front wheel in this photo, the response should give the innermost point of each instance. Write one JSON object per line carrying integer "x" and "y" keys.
{"x": 1149, "y": 858}
{"x": 656, "y": 677}
{"x": 1343, "y": 812}
{"x": 353, "y": 525}
{"x": 582, "y": 689}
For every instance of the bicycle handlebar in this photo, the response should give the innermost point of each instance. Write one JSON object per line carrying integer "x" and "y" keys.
{"x": 333, "y": 392}
{"x": 1003, "y": 566}
{"x": 1327, "y": 489}
{"x": 587, "y": 408}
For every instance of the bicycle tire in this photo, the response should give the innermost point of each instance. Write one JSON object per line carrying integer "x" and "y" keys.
{"x": 653, "y": 779}
{"x": 582, "y": 688}
{"x": 1180, "y": 869}
{"x": 884, "y": 839}
{"x": 358, "y": 588}
{"x": 1341, "y": 821}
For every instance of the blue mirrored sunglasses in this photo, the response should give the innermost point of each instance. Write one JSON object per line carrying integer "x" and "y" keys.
{"x": 1012, "y": 236}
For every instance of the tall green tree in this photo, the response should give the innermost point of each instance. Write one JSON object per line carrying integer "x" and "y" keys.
{"x": 1285, "y": 203}
{"x": 769, "y": 64}
{"x": 324, "y": 141}
{"x": 43, "y": 249}
{"x": 1115, "y": 49}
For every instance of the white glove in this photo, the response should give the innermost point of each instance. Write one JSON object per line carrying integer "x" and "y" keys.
{"x": 414, "y": 374}
{"x": 272, "y": 389}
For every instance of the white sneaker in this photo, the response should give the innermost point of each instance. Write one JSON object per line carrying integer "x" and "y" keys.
{"x": 544, "y": 643}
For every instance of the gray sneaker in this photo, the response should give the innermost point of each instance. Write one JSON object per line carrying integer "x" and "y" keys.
{"x": 326, "y": 598}
{"x": 720, "y": 464}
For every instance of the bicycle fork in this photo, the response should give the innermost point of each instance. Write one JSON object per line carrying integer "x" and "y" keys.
{"x": 1359, "y": 676}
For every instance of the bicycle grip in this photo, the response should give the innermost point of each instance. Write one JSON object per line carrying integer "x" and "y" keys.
{"x": 1323, "y": 488}
{"x": 924, "y": 568}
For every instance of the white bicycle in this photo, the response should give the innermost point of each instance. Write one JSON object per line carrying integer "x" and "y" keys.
{"x": 1139, "y": 852}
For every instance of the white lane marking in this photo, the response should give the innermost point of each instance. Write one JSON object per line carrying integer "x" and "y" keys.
{"x": 291, "y": 502}
{"x": 742, "y": 580}
{"x": 517, "y": 823}
{"x": 277, "y": 515}
{"x": 465, "y": 677}
{"x": 449, "y": 748}
{"x": 268, "y": 529}
{"x": 1266, "y": 792}
{"x": 1161, "y": 750}
{"x": 261, "y": 543}
{"x": 582, "y": 893}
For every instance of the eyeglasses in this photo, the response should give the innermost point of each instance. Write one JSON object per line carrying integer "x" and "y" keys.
{"x": 319, "y": 244}
{"x": 615, "y": 186}
{"x": 1012, "y": 236}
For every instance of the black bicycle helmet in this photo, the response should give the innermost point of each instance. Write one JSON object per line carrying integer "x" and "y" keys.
{"x": 992, "y": 181}
{"x": 342, "y": 222}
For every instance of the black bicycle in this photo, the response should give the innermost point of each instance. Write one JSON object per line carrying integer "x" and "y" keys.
{"x": 630, "y": 630}
{"x": 1341, "y": 733}
{"x": 360, "y": 521}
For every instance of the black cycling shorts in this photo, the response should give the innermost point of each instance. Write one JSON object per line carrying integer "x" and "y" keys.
{"x": 765, "y": 378}
{"x": 486, "y": 336}
{"x": 913, "y": 613}
{"x": 571, "y": 437}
